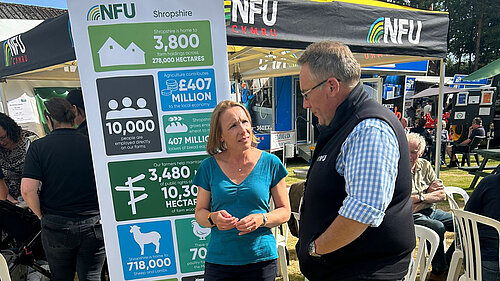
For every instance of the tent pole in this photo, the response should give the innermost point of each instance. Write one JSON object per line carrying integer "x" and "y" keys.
{"x": 439, "y": 118}
{"x": 4, "y": 97}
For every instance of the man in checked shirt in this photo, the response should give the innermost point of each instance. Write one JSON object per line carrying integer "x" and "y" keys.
{"x": 356, "y": 221}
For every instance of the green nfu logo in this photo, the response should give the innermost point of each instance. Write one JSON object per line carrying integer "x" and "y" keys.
{"x": 111, "y": 11}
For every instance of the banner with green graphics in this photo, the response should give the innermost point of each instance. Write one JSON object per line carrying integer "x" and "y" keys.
{"x": 151, "y": 74}
{"x": 151, "y": 45}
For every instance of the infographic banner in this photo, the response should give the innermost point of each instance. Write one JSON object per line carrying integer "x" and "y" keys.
{"x": 153, "y": 188}
{"x": 151, "y": 45}
{"x": 151, "y": 74}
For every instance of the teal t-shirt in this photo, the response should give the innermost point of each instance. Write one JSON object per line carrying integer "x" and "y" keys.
{"x": 249, "y": 197}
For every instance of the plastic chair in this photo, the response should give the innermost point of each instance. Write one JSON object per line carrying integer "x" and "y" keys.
{"x": 451, "y": 191}
{"x": 426, "y": 237}
{"x": 281, "y": 235}
{"x": 4, "y": 269}
{"x": 474, "y": 144}
{"x": 296, "y": 215}
{"x": 281, "y": 241}
{"x": 467, "y": 232}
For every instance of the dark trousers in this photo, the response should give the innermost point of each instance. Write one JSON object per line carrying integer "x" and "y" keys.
{"x": 457, "y": 148}
{"x": 73, "y": 245}
{"x": 260, "y": 271}
{"x": 439, "y": 221}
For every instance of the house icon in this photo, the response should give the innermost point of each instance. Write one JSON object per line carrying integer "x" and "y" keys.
{"x": 111, "y": 53}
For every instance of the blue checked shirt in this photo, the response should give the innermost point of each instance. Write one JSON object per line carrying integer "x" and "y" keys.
{"x": 368, "y": 161}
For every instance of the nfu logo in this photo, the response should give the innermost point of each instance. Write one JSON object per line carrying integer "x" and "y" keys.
{"x": 248, "y": 9}
{"x": 396, "y": 29}
{"x": 111, "y": 11}
{"x": 14, "y": 51}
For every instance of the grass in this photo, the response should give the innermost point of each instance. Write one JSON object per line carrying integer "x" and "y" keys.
{"x": 450, "y": 177}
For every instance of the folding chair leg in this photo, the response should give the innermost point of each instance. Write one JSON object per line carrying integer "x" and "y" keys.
{"x": 282, "y": 262}
{"x": 477, "y": 158}
{"x": 455, "y": 264}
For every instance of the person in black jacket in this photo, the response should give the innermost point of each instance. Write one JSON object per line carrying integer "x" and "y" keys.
{"x": 476, "y": 129}
{"x": 485, "y": 200}
{"x": 356, "y": 220}
{"x": 67, "y": 204}
{"x": 75, "y": 98}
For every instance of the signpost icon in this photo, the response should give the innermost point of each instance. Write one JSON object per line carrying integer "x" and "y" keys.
{"x": 131, "y": 188}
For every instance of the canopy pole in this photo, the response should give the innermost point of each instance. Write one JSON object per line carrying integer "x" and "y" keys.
{"x": 439, "y": 118}
{"x": 4, "y": 97}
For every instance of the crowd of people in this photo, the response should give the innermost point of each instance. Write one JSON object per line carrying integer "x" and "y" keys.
{"x": 366, "y": 188}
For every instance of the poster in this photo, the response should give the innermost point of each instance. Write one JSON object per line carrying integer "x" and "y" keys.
{"x": 462, "y": 98}
{"x": 21, "y": 109}
{"x": 486, "y": 97}
{"x": 154, "y": 70}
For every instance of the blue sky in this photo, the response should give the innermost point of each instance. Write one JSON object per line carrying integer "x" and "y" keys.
{"x": 61, "y": 4}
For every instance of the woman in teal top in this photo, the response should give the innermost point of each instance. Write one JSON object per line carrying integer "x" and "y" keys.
{"x": 235, "y": 186}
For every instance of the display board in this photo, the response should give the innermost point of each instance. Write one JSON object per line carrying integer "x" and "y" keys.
{"x": 151, "y": 74}
{"x": 471, "y": 103}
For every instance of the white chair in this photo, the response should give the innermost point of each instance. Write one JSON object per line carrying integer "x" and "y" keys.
{"x": 468, "y": 234}
{"x": 451, "y": 191}
{"x": 4, "y": 269}
{"x": 425, "y": 236}
{"x": 281, "y": 235}
{"x": 456, "y": 259}
{"x": 281, "y": 242}
{"x": 297, "y": 218}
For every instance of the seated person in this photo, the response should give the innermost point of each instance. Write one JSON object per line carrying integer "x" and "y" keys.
{"x": 13, "y": 143}
{"x": 4, "y": 191}
{"x": 485, "y": 200}
{"x": 444, "y": 139}
{"x": 421, "y": 130}
{"x": 427, "y": 189}
{"x": 474, "y": 130}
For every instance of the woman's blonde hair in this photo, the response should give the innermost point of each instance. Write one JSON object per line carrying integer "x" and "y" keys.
{"x": 214, "y": 143}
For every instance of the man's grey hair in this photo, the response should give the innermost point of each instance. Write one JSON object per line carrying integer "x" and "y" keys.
{"x": 330, "y": 58}
{"x": 417, "y": 139}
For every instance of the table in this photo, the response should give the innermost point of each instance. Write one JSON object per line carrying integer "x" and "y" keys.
{"x": 487, "y": 155}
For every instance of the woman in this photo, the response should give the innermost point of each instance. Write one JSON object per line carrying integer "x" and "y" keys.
{"x": 13, "y": 144}
{"x": 233, "y": 198}
{"x": 67, "y": 205}
{"x": 3, "y": 187}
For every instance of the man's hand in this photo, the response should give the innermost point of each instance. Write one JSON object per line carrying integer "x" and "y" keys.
{"x": 435, "y": 192}
{"x": 435, "y": 185}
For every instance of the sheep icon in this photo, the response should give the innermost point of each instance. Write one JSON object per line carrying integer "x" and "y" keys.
{"x": 199, "y": 231}
{"x": 145, "y": 238}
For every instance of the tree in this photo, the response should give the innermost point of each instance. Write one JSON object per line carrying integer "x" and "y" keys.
{"x": 474, "y": 32}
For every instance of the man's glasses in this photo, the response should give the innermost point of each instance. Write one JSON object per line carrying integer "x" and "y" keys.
{"x": 305, "y": 94}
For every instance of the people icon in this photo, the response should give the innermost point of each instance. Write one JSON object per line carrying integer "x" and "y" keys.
{"x": 128, "y": 111}
{"x": 142, "y": 111}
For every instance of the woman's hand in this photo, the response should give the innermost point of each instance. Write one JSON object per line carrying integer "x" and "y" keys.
{"x": 224, "y": 220}
{"x": 249, "y": 223}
